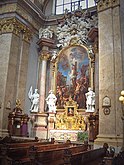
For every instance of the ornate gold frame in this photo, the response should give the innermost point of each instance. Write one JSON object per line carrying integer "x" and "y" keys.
{"x": 55, "y": 64}
{"x": 70, "y": 122}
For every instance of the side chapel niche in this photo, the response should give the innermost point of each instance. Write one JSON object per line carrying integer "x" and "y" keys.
{"x": 73, "y": 71}
{"x": 72, "y": 81}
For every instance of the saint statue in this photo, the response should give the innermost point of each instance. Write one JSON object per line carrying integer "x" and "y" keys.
{"x": 90, "y": 100}
{"x": 51, "y": 102}
{"x": 34, "y": 97}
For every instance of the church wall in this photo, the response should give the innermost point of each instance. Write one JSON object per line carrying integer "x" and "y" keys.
{"x": 23, "y": 73}
{"x": 5, "y": 40}
{"x": 17, "y": 30}
{"x": 32, "y": 73}
{"x": 12, "y": 74}
{"x": 16, "y": 75}
{"x": 122, "y": 35}
{"x": 32, "y": 77}
{"x": 118, "y": 69}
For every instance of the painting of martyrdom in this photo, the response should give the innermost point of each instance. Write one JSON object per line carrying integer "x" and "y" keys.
{"x": 72, "y": 76}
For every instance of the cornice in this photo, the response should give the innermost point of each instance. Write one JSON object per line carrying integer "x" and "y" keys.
{"x": 105, "y": 4}
{"x": 13, "y": 25}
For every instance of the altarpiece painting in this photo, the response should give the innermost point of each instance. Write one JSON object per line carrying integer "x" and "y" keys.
{"x": 72, "y": 79}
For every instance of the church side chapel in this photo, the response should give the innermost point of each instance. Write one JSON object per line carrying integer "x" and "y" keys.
{"x": 62, "y": 82}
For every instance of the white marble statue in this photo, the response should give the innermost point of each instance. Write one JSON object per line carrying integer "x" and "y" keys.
{"x": 90, "y": 100}
{"x": 45, "y": 33}
{"x": 51, "y": 101}
{"x": 34, "y": 97}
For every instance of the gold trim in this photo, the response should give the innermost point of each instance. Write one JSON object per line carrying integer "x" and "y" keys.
{"x": 91, "y": 64}
{"x": 44, "y": 55}
{"x": 72, "y": 121}
{"x": 105, "y": 4}
{"x": 12, "y": 25}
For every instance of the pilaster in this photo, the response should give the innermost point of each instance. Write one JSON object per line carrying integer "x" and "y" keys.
{"x": 15, "y": 41}
{"x": 106, "y": 4}
{"x": 110, "y": 73}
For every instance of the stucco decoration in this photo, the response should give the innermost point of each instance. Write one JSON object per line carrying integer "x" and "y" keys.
{"x": 46, "y": 33}
{"x": 76, "y": 25}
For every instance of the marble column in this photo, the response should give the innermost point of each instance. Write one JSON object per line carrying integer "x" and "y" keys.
{"x": 41, "y": 118}
{"x": 110, "y": 74}
{"x": 45, "y": 45}
{"x": 44, "y": 57}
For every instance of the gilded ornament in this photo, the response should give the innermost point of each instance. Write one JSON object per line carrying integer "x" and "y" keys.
{"x": 45, "y": 55}
{"x": 105, "y": 4}
{"x": 12, "y": 25}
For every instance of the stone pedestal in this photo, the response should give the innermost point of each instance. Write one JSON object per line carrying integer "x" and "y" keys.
{"x": 39, "y": 125}
{"x": 51, "y": 121}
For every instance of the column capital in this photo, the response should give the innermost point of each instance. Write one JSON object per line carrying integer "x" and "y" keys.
{"x": 105, "y": 4}
{"x": 44, "y": 55}
{"x": 13, "y": 25}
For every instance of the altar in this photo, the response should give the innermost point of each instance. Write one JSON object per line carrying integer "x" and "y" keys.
{"x": 64, "y": 135}
{"x": 67, "y": 123}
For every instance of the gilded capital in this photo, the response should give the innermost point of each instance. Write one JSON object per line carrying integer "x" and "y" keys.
{"x": 12, "y": 25}
{"x": 44, "y": 55}
{"x": 105, "y": 4}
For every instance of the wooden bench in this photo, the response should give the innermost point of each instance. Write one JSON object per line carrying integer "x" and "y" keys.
{"x": 53, "y": 155}
{"x": 18, "y": 152}
{"x": 82, "y": 157}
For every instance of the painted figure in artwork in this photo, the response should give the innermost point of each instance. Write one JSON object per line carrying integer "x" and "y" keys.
{"x": 70, "y": 111}
{"x": 34, "y": 97}
{"x": 72, "y": 76}
{"x": 90, "y": 102}
{"x": 51, "y": 101}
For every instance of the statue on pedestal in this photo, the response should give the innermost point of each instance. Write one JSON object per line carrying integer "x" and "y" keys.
{"x": 51, "y": 102}
{"x": 34, "y": 97}
{"x": 90, "y": 100}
